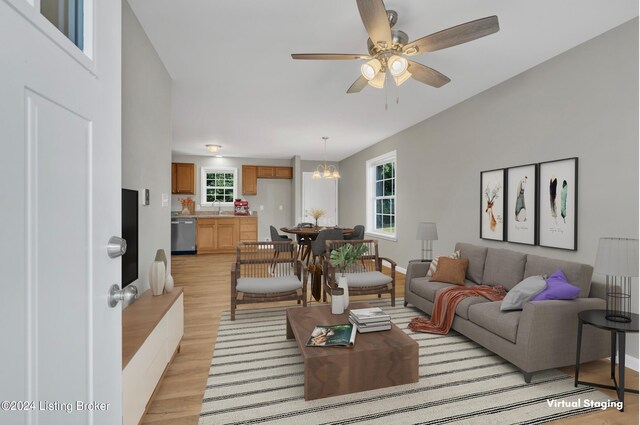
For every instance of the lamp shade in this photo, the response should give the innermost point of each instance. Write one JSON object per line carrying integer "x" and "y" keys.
{"x": 617, "y": 257}
{"x": 427, "y": 232}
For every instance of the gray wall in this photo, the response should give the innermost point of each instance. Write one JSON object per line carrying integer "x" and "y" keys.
{"x": 581, "y": 103}
{"x": 272, "y": 193}
{"x": 146, "y": 138}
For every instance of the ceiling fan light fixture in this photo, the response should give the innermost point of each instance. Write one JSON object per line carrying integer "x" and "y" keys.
{"x": 411, "y": 51}
{"x": 397, "y": 65}
{"x": 371, "y": 69}
{"x": 402, "y": 78}
{"x": 378, "y": 81}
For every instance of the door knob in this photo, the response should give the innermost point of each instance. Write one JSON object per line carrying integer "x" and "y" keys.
{"x": 116, "y": 247}
{"x": 127, "y": 295}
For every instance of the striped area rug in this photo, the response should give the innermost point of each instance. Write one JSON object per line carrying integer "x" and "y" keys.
{"x": 256, "y": 376}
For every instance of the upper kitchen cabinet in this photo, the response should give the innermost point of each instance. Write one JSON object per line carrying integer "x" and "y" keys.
{"x": 249, "y": 180}
{"x": 183, "y": 178}
{"x": 251, "y": 174}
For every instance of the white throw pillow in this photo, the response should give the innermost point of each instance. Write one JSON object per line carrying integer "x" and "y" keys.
{"x": 520, "y": 294}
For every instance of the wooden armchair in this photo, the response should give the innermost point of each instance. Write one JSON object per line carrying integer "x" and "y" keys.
{"x": 259, "y": 275}
{"x": 365, "y": 276}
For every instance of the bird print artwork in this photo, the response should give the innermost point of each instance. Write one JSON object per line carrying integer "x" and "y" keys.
{"x": 563, "y": 200}
{"x": 553, "y": 189}
{"x": 521, "y": 210}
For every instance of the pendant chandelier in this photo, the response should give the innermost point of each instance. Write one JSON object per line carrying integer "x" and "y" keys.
{"x": 324, "y": 171}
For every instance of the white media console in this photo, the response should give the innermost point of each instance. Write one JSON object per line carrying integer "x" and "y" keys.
{"x": 152, "y": 329}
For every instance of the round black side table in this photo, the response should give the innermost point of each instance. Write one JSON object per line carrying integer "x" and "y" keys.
{"x": 618, "y": 331}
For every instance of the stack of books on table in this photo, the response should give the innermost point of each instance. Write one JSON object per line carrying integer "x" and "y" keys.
{"x": 370, "y": 319}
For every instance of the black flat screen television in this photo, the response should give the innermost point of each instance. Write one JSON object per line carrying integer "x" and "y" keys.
{"x": 130, "y": 234}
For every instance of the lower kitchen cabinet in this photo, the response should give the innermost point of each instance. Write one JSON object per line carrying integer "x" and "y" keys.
{"x": 216, "y": 235}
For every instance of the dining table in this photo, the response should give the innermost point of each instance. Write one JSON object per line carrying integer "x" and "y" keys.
{"x": 305, "y": 236}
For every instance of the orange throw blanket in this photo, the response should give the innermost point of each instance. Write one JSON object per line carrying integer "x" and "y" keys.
{"x": 444, "y": 308}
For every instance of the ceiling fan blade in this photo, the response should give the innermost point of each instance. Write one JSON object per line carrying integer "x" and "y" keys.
{"x": 453, "y": 36}
{"x": 358, "y": 85}
{"x": 427, "y": 75}
{"x": 328, "y": 56}
{"x": 374, "y": 18}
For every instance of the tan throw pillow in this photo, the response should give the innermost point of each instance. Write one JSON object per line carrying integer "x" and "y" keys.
{"x": 451, "y": 271}
{"x": 434, "y": 263}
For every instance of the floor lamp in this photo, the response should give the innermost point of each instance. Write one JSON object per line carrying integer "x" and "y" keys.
{"x": 427, "y": 233}
{"x": 617, "y": 258}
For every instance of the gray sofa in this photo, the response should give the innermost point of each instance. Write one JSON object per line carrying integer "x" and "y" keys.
{"x": 543, "y": 334}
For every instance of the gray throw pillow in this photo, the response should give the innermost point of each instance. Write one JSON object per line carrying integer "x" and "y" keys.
{"x": 524, "y": 291}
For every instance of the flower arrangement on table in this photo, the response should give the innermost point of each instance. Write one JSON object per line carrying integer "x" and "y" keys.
{"x": 188, "y": 205}
{"x": 316, "y": 213}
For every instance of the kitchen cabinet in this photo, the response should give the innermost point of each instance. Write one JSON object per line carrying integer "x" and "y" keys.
{"x": 266, "y": 172}
{"x": 206, "y": 234}
{"x": 183, "y": 178}
{"x": 251, "y": 174}
{"x": 248, "y": 229}
{"x": 227, "y": 234}
{"x": 249, "y": 180}
{"x": 283, "y": 173}
{"x": 217, "y": 235}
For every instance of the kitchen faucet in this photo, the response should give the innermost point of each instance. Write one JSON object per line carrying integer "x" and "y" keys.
{"x": 219, "y": 206}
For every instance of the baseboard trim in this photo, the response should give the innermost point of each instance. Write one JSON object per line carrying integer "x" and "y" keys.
{"x": 631, "y": 362}
{"x": 398, "y": 269}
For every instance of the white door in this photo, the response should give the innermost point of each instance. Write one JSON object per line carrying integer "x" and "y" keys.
{"x": 320, "y": 194}
{"x": 60, "y": 179}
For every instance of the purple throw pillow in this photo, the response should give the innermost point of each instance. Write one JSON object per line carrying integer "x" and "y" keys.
{"x": 558, "y": 288}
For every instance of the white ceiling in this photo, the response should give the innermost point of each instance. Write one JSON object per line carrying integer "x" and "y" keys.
{"x": 235, "y": 84}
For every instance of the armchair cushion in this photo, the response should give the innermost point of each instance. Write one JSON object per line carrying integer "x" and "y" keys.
{"x": 363, "y": 280}
{"x": 267, "y": 285}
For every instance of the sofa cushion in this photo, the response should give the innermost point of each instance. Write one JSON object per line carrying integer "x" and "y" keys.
{"x": 501, "y": 323}
{"x": 433, "y": 265}
{"x": 426, "y": 289}
{"x": 503, "y": 267}
{"x": 462, "y": 309}
{"x": 523, "y": 292}
{"x": 363, "y": 280}
{"x": 451, "y": 271}
{"x": 477, "y": 256}
{"x": 558, "y": 288}
{"x": 577, "y": 274}
{"x": 265, "y": 285}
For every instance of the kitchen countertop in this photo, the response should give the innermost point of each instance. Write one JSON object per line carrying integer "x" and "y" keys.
{"x": 212, "y": 214}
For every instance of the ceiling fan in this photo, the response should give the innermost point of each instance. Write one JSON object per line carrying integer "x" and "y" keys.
{"x": 389, "y": 47}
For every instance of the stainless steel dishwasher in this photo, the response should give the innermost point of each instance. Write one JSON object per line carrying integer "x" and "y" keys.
{"x": 183, "y": 235}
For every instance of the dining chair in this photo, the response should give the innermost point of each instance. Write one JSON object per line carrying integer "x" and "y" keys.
{"x": 357, "y": 234}
{"x": 276, "y": 237}
{"x": 318, "y": 248}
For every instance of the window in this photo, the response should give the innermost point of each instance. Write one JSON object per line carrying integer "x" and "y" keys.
{"x": 67, "y": 16}
{"x": 381, "y": 196}
{"x": 218, "y": 185}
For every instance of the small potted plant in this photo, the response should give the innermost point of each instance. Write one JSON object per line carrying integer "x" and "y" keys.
{"x": 316, "y": 213}
{"x": 342, "y": 258}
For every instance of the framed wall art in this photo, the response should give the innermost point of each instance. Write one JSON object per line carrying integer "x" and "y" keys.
{"x": 558, "y": 201}
{"x": 492, "y": 204}
{"x": 521, "y": 215}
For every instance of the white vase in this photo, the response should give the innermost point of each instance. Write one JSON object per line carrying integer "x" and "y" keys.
{"x": 337, "y": 304}
{"x": 156, "y": 277}
{"x": 342, "y": 283}
{"x": 168, "y": 283}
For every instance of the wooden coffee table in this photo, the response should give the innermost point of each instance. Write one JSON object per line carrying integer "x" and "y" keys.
{"x": 377, "y": 360}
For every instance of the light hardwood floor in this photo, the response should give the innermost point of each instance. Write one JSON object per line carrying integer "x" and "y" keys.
{"x": 206, "y": 283}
